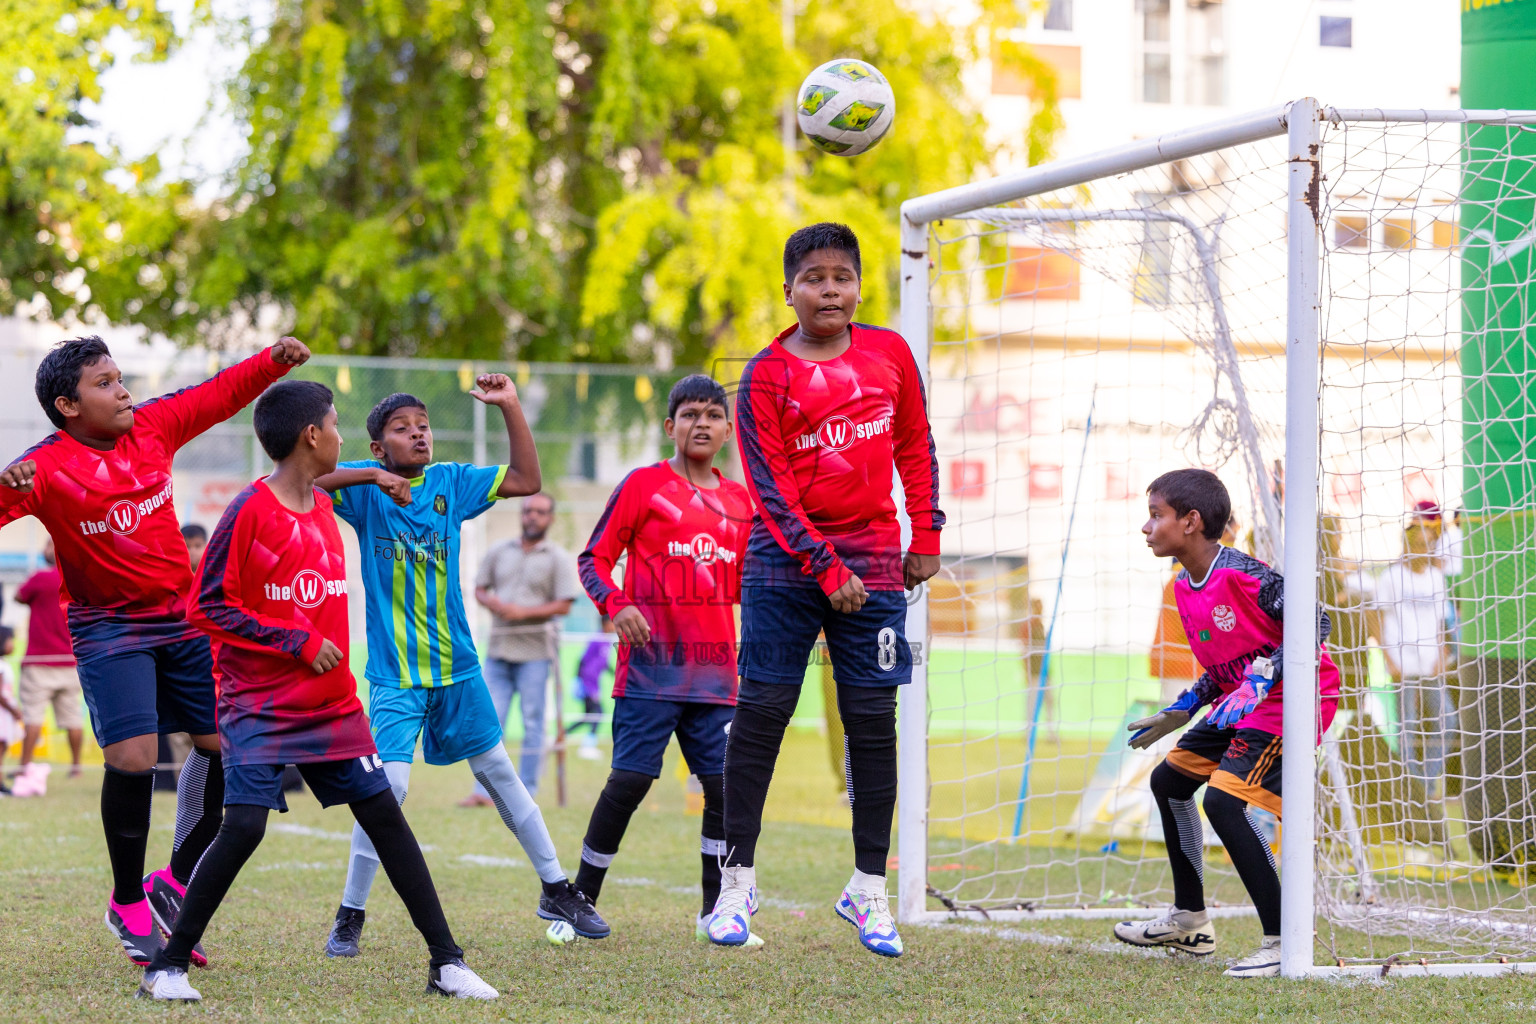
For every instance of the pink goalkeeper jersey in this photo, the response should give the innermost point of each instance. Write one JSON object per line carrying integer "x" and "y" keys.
{"x": 1233, "y": 617}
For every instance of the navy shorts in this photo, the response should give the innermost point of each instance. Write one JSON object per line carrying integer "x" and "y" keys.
{"x": 333, "y": 782}
{"x": 779, "y": 626}
{"x": 150, "y": 690}
{"x": 642, "y": 728}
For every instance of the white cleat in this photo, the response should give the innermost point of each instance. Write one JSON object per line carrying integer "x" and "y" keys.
{"x": 455, "y": 979}
{"x": 169, "y": 985}
{"x": 1188, "y": 931}
{"x": 1263, "y": 964}
{"x": 731, "y": 922}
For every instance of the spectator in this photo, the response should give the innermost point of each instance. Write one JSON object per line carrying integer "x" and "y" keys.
{"x": 48, "y": 667}
{"x": 197, "y": 540}
{"x": 596, "y": 661}
{"x": 1409, "y": 622}
{"x": 526, "y": 584}
{"x": 10, "y": 714}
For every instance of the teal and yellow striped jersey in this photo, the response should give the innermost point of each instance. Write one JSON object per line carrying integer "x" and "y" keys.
{"x": 418, "y": 633}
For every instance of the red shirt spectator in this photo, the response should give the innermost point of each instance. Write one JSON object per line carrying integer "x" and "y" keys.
{"x": 47, "y": 630}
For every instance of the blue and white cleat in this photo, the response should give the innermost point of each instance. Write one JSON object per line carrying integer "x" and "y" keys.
{"x": 701, "y": 933}
{"x": 868, "y": 911}
{"x": 731, "y": 922}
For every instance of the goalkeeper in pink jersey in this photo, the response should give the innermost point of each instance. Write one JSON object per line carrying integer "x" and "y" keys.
{"x": 1231, "y": 606}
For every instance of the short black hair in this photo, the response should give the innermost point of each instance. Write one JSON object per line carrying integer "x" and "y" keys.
{"x": 387, "y": 408}
{"x": 7, "y": 634}
{"x": 696, "y": 387}
{"x": 825, "y": 235}
{"x": 284, "y": 410}
{"x": 1197, "y": 490}
{"x": 58, "y": 375}
{"x": 192, "y": 530}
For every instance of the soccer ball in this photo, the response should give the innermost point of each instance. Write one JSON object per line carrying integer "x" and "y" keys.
{"x": 560, "y": 933}
{"x": 845, "y": 107}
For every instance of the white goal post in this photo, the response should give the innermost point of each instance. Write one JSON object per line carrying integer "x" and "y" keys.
{"x": 1350, "y": 287}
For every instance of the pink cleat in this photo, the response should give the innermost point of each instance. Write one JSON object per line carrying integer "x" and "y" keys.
{"x": 33, "y": 780}
{"x": 165, "y": 896}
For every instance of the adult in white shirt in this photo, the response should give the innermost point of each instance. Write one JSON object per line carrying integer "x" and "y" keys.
{"x": 1409, "y": 622}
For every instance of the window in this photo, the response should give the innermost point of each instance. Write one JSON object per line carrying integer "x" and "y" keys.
{"x": 1058, "y": 16}
{"x": 1156, "y": 51}
{"x": 1336, "y": 31}
{"x": 1351, "y": 232}
{"x": 1397, "y": 233}
{"x": 1207, "y": 66}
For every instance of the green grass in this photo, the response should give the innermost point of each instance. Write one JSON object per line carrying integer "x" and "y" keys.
{"x": 62, "y": 966}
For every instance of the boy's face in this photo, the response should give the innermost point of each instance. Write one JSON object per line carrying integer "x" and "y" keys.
{"x": 195, "y": 547}
{"x": 1166, "y": 531}
{"x": 699, "y": 429}
{"x": 328, "y": 444}
{"x": 407, "y": 440}
{"x": 825, "y": 292}
{"x": 104, "y": 408}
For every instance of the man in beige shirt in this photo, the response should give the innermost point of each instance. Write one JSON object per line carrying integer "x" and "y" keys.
{"x": 526, "y": 584}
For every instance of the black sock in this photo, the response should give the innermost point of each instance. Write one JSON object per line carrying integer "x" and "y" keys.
{"x": 126, "y": 798}
{"x": 1250, "y": 854}
{"x": 1183, "y": 834}
{"x": 199, "y": 810}
{"x": 237, "y": 839}
{"x": 869, "y": 762}
{"x": 763, "y": 711}
{"x": 712, "y": 839}
{"x": 615, "y": 805}
{"x": 400, "y": 854}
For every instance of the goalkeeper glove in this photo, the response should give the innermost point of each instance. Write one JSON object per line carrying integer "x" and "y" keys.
{"x": 1240, "y": 703}
{"x": 1171, "y": 719}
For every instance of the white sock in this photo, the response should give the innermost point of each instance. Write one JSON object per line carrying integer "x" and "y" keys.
{"x": 363, "y": 863}
{"x": 866, "y": 883}
{"x": 493, "y": 770}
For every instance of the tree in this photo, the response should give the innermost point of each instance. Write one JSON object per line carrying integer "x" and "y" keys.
{"x": 71, "y": 240}
{"x": 582, "y": 178}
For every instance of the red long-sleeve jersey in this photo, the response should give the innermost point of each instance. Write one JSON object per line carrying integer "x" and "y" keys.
{"x": 116, "y": 536}
{"x": 685, "y": 548}
{"x": 821, "y": 443}
{"x": 271, "y": 587}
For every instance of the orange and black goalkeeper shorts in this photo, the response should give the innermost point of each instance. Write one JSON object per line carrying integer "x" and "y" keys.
{"x": 1243, "y": 762}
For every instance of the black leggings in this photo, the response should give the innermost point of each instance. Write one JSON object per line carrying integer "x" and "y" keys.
{"x": 763, "y": 711}
{"x": 1182, "y": 833}
{"x": 245, "y": 824}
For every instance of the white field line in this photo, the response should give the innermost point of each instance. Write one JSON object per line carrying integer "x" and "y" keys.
{"x": 1043, "y": 939}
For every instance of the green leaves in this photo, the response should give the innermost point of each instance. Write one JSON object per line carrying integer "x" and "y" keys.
{"x": 576, "y": 180}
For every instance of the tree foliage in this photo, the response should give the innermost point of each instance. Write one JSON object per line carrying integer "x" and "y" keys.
{"x": 71, "y": 239}
{"x": 574, "y": 179}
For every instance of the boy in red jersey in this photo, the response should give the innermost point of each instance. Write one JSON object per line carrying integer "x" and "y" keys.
{"x": 684, "y": 528}
{"x": 272, "y": 593}
{"x": 827, "y": 416}
{"x": 102, "y": 488}
{"x": 1231, "y": 607}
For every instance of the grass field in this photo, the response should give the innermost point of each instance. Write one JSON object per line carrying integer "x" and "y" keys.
{"x": 267, "y": 965}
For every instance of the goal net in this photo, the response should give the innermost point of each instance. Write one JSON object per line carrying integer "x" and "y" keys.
{"x": 1089, "y": 324}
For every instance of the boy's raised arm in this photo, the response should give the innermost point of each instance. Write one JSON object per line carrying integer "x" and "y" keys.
{"x": 397, "y": 487}
{"x": 189, "y": 412}
{"x": 218, "y": 610}
{"x": 765, "y": 459}
{"x": 523, "y": 476}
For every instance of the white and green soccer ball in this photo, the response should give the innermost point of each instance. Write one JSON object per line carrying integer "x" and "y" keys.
{"x": 845, "y": 106}
{"x": 560, "y": 933}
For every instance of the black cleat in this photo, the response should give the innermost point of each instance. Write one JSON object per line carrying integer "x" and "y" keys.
{"x": 346, "y": 932}
{"x": 571, "y": 905}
